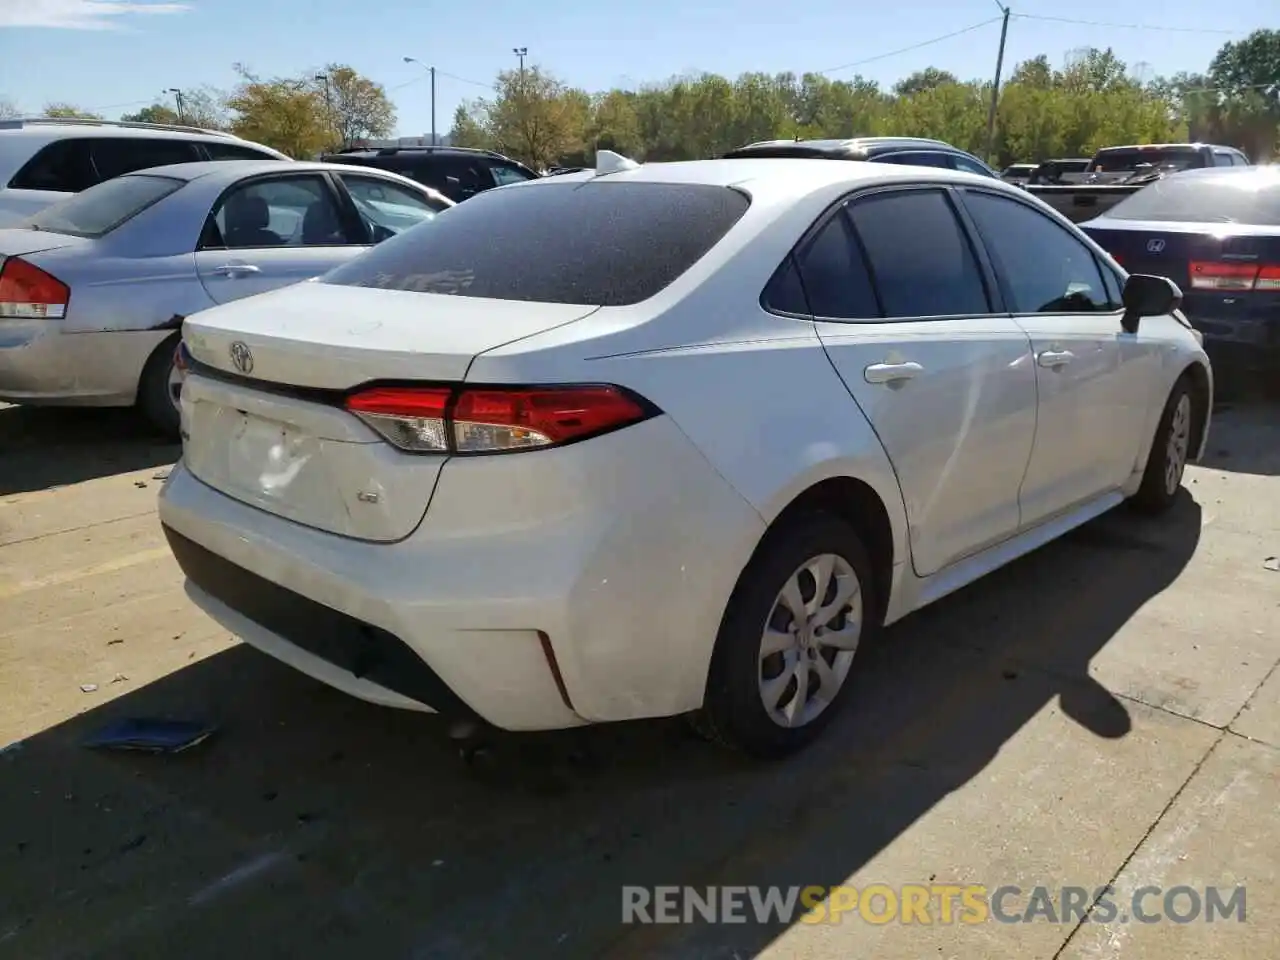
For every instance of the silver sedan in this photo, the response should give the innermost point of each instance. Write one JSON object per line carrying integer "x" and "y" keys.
{"x": 93, "y": 290}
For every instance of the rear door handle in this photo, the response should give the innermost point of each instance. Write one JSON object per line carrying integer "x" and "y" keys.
{"x": 892, "y": 372}
{"x": 235, "y": 269}
{"x": 1054, "y": 358}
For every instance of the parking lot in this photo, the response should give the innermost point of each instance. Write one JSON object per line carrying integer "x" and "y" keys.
{"x": 1104, "y": 711}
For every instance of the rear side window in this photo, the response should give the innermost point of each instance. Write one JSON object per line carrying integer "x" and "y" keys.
{"x": 835, "y": 275}
{"x": 101, "y": 209}
{"x": 116, "y": 156}
{"x": 921, "y": 261}
{"x": 504, "y": 173}
{"x": 918, "y": 158}
{"x": 605, "y": 244}
{"x": 1219, "y": 198}
{"x": 63, "y": 166}
{"x": 233, "y": 151}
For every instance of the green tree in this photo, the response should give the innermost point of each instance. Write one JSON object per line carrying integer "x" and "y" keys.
{"x": 156, "y": 113}
{"x": 355, "y": 107}
{"x": 922, "y": 80}
{"x": 287, "y": 114}
{"x": 1246, "y": 75}
{"x": 531, "y": 117}
{"x": 69, "y": 111}
{"x": 468, "y": 131}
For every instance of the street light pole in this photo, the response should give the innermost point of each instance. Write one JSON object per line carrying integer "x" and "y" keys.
{"x": 328, "y": 105}
{"x": 177, "y": 95}
{"x": 995, "y": 87}
{"x": 432, "y": 71}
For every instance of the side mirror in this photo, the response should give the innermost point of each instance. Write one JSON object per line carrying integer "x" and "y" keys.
{"x": 1147, "y": 296}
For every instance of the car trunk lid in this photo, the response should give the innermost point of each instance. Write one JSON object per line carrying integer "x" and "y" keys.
{"x": 23, "y": 242}
{"x": 261, "y": 407}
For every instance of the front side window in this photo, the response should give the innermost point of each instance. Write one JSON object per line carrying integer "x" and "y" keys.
{"x": 388, "y": 208}
{"x": 504, "y": 173}
{"x": 283, "y": 212}
{"x": 97, "y": 211}
{"x": 965, "y": 165}
{"x": 917, "y": 158}
{"x": 921, "y": 261}
{"x": 599, "y": 243}
{"x": 1044, "y": 268}
{"x": 456, "y": 177}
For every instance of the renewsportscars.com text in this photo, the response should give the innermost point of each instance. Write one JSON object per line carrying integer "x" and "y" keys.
{"x": 931, "y": 904}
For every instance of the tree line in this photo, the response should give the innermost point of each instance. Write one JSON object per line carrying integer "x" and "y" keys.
{"x": 1092, "y": 101}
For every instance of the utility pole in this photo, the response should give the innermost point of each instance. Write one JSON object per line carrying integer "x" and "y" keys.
{"x": 177, "y": 95}
{"x": 328, "y": 106}
{"x": 432, "y": 71}
{"x": 995, "y": 88}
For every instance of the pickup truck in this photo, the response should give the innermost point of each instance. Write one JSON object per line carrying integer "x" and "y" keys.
{"x": 1117, "y": 172}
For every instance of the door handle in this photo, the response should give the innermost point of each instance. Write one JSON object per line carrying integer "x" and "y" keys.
{"x": 235, "y": 269}
{"x": 892, "y": 372}
{"x": 1054, "y": 358}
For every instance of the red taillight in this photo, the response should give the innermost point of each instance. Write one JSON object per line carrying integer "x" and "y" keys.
{"x": 1212, "y": 275}
{"x": 494, "y": 419}
{"x": 28, "y": 293}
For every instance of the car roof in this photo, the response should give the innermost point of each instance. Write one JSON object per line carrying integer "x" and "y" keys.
{"x": 851, "y": 146}
{"x": 236, "y": 169}
{"x": 1265, "y": 175}
{"x": 56, "y": 131}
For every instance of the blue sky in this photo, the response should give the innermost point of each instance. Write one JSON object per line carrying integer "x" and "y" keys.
{"x": 117, "y": 55}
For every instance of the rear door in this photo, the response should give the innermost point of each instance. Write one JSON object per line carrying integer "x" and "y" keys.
{"x": 268, "y": 232}
{"x": 1095, "y": 381}
{"x": 903, "y": 307}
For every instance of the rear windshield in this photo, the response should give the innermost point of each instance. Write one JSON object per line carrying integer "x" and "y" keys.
{"x": 1165, "y": 158}
{"x": 1247, "y": 198}
{"x": 606, "y": 244}
{"x": 100, "y": 209}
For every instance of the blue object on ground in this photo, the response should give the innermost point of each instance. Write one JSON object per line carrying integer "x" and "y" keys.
{"x": 151, "y": 736}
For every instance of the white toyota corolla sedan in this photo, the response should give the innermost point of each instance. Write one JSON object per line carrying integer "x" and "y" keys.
{"x": 670, "y": 438}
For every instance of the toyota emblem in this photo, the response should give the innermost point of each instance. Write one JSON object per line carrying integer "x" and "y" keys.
{"x": 242, "y": 357}
{"x": 1155, "y": 245}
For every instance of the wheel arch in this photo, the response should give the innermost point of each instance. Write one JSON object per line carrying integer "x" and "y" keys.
{"x": 1198, "y": 378}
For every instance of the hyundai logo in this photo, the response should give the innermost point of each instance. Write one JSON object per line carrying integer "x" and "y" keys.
{"x": 1155, "y": 246}
{"x": 241, "y": 357}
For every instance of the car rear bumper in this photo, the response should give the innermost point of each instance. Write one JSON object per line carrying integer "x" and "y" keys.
{"x": 39, "y": 364}
{"x": 530, "y": 603}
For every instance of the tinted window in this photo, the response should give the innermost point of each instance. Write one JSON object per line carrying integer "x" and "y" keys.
{"x": 233, "y": 151}
{"x": 506, "y": 173}
{"x": 785, "y": 293}
{"x": 921, "y": 262}
{"x": 835, "y": 275}
{"x": 1043, "y": 267}
{"x": 972, "y": 166}
{"x": 283, "y": 212}
{"x": 1221, "y": 198}
{"x": 99, "y": 210}
{"x": 919, "y": 158}
{"x": 120, "y": 155}
{"x": 63, "y": 166}
{"x": 456, "y": 177}
{"x": 1129, "y": 159}
{"x": 604, "y": 243}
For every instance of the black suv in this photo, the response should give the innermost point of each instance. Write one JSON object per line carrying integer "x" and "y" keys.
{"x": 914, "y": 151}
{"x": 457, "y": 172}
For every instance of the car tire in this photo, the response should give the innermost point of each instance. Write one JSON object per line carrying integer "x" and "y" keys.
{"x": 764, "y": 655}
{"x": 156, "y": 402}
{"x": 1170, "y": 452}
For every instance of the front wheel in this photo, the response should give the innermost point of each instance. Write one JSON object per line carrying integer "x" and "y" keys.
{"x": 801, "y": 610}
{"x": 1170, "y": 450}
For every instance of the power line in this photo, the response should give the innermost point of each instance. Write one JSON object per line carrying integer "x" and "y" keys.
{"x": 914, "y": 46}
{"x": 440, "y": 73}
{"x": 1125, "y": 26}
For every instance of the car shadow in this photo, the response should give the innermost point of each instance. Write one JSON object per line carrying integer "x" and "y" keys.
{"x": 316, "y": 825}
{"x": 44, "y": 447}
{"x": 1242, "y": 438}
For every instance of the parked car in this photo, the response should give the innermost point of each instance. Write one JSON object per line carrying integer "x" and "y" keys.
{"x": 914, "y": 151}
{"x": 1018, "y": 173}
{"x": 668, "y": 438}
{"x": 93, "y": 290}
{"x": 457, "y": 172}
{"x": 42, "y": 161}
{"x": 1060, "y": 170}
{"x": 1115, "y": 173}
{"x": 1216, "y": 233}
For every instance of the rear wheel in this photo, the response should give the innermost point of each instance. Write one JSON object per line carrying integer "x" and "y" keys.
{"x": 159, "y": 388}
{"x": 1170, "y": 451}
{"x": 787, "y": 643}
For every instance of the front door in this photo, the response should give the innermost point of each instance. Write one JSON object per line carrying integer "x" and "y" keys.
{"x": 902, "y": 308}
{"x": 269, "y": 232}
{"x": 1094, "y": 380}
